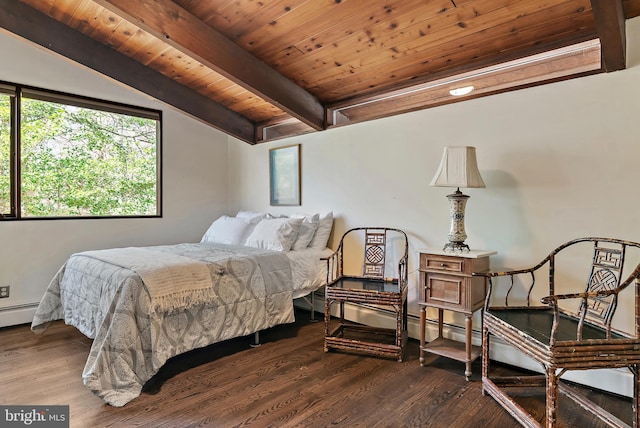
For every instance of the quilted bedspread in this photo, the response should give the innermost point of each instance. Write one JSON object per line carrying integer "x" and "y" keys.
{"x": 110, "y": 303}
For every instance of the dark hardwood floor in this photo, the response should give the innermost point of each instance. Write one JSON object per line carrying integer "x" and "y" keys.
{"x": 288, "y": 381}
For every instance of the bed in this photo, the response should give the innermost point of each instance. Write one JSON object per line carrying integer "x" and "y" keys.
{"x": 144, "y": 305}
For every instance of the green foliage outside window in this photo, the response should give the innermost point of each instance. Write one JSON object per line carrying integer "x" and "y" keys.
{"x": 5, "y": 150}
{"x": 77, "y": 161}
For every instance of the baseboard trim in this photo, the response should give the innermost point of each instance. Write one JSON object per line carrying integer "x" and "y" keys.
{"x": 616, "y": 381}
{"x": 18, "y": 314}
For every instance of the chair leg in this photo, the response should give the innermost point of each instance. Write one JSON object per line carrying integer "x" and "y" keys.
{"x": 398, "y": 310}
{"x": 468, "y": 327}
{"x": 636, "y": 396}
{"x": 399, "y": 328}
{"x": 485, "y": 356}
{"x": 327, "y": 321}
{"x": 405, "y": 318}
{"x": 552, "y": 397}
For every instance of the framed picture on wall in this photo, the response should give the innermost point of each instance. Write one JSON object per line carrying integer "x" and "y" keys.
{"x": 284, "y": 175}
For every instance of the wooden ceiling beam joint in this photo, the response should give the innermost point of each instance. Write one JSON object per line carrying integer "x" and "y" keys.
{"x": 610, "y": 25}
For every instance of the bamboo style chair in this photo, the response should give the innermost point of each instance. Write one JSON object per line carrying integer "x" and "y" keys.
{"x": 377, "y": 285}
{"x": 561, "y": 340}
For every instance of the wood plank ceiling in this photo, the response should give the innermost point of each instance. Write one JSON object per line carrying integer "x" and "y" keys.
{"x": 260, "y": 70}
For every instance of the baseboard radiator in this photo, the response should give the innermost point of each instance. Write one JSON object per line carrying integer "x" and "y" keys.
{"x": 17, "y": 314}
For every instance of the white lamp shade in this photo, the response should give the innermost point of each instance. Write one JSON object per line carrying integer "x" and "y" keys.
{"x": 458, "y": 168}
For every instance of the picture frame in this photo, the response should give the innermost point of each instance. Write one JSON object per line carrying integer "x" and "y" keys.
{"x": 284, "y": 176}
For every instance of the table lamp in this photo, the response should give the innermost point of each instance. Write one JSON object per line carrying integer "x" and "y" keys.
{"x": 458, "y": 168}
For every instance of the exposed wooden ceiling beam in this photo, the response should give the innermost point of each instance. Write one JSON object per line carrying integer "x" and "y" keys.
{"x": 177, "y": 27}
{"x": 610, "y": 24}
{"x": 32, "y": 25}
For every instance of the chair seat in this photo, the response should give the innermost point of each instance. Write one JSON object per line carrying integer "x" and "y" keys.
{"x": 363, "y": 284}
{"x": 537, "y": 323}
{"x": 529, "y": 331}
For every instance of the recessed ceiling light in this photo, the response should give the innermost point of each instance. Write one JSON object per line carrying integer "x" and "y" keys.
{"x": 461, "y": 91}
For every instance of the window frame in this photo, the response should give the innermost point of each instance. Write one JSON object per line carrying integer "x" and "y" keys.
{"x": 16, "y": 92}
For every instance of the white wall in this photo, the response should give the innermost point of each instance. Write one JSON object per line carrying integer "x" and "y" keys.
{"x": 194, "y": 184}
{"x": 559, "y": 161}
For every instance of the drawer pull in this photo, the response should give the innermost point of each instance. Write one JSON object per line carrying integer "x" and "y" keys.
{"x": 443, "y": 265}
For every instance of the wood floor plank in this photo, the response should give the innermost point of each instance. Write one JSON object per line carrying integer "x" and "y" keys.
{"x": 289, "y": 381}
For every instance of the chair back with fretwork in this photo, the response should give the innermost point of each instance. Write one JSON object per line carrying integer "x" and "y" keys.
{"x": 375, "y": 245}
{"x": 374, "y": 253}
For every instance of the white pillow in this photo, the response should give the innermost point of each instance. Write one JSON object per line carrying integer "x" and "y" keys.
{"x": 307, "y": 230}
{"x": 228, "y": 230}
{"x": 321, "y": 237}
{"x": 254, "y": 216}
{"x": 269, "y": 215}
{"x": 274, "y": 234}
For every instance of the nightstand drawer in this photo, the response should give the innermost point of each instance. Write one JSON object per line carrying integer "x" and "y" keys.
{"x": 443, "y": 264}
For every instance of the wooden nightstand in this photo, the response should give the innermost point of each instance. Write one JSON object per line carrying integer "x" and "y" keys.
{"x": 446, "y": 283}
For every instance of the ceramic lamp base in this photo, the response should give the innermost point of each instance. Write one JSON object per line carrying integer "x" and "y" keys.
{"x": 457, "y": 234}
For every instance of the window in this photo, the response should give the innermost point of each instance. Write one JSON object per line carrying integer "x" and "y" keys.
{"x": 76, "y": 157}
